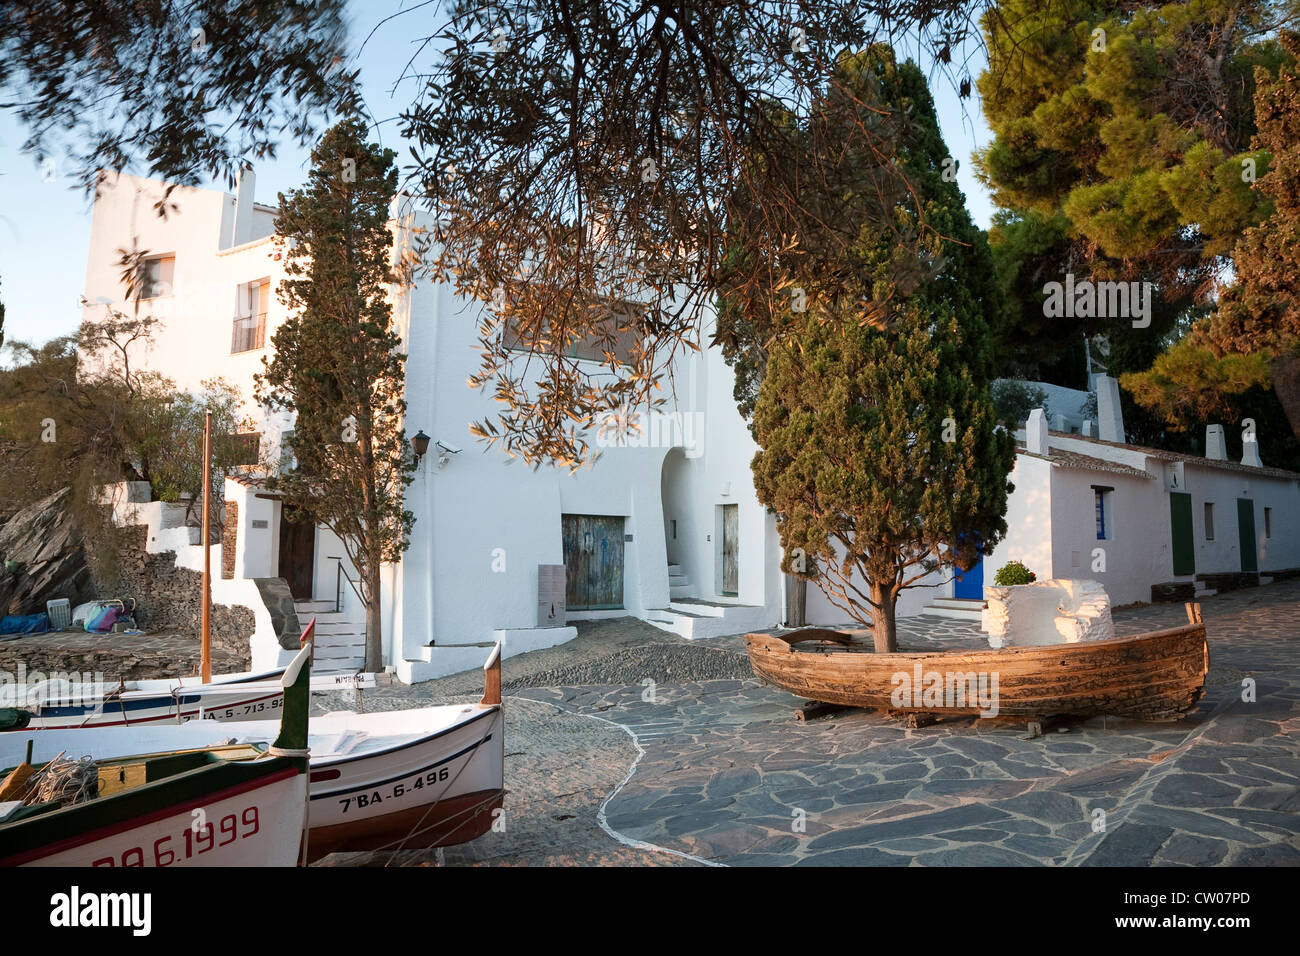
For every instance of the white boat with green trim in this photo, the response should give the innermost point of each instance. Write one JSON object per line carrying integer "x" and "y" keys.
{"x": 392, "y": 780}
{"x": 190, "y": 808}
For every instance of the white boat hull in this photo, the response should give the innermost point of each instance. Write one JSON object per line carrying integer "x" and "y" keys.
{"x": 72, "y": 706}
{"x": 260, "y": 825}
{"x": 398, "y": 779}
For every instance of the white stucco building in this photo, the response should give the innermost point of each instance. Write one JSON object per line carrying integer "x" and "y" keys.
{"x": 670, "y": 531}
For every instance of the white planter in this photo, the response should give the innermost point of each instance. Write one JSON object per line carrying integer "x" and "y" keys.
{"x": 994, "y": 617}
{"x": 1057, "y": 611}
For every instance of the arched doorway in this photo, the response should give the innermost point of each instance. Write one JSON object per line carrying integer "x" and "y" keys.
{"x": 679, "y": 520}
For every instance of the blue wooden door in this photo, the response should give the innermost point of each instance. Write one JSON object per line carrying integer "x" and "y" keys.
{"x": 969, "y": 584}
{"x": 593, "y": 562}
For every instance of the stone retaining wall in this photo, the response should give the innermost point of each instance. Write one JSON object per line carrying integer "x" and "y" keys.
{"x": 1230, "y": 580}
{"x": 115, "y": 656}
{"x": 168, "y": 598}
{"x": 1173, "y": 592}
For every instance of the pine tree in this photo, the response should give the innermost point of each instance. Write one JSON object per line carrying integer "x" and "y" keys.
{"x": 1252, "y": 340}
{"x": 337, "y": 363}
{"x": 880, "y": 454}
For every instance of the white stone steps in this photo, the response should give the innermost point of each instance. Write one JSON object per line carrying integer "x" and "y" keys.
{"x": 314, "y": 607}
{"x": 700, "y": 619}
{"x": 961, "y": 609}
{"x": 698, "y": 609}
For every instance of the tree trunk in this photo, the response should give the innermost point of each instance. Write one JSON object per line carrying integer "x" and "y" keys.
{"x": 884, "y": 628}
{"x": 1286, "y": 385}
{"x": 374, "y": 632}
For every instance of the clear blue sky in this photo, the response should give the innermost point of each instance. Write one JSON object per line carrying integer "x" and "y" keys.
{"x": 45, "y": 222}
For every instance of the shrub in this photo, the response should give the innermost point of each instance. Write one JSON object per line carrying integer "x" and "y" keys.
{"x": 1013, "y": 400}
{"x": 1013, "y": 572}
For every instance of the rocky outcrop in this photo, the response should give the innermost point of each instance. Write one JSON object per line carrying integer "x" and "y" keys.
{"x": 279, "y": 603}
{"x": 45, "y": 546}
{"x": 42, "y": 557}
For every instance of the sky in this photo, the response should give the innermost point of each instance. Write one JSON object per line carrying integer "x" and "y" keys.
{"x": 45, "y": 218}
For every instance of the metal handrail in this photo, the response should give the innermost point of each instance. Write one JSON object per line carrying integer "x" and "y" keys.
{"x": 339, "y": 577}
{"x": 248, "y": 332}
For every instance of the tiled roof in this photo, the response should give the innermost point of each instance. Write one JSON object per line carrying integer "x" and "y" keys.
{"x": 1197, "y": 460}
{"x": 248, "y": 481}
{"x": 1072, "y": 459}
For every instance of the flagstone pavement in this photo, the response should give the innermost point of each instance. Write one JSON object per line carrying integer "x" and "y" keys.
{"x": 719, "y": 772}
{"x": 728, "y": 776}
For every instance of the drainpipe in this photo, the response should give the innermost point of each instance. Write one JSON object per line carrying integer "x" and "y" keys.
{"x": 430, "y": 382}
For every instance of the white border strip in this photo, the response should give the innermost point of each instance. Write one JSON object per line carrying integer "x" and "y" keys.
{"x": 603, "y": 820}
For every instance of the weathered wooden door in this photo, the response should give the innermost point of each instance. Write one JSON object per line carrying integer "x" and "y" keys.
{"x": 1180, "y": 523}
{"x": 593, "y": 562}
{"x": 1246, "y": 535}
{"x": 298, "y": 556}
{"x": 730, "y": 549}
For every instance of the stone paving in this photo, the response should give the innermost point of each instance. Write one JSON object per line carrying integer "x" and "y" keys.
{"x": 728, "y": 776}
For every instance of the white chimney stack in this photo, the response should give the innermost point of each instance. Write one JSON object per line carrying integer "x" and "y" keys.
{"x": 1216, "y": 449}
{"x": 242, "y": 230}
{"x": 1250, "y": 450}
{"x": 1036, "y": 433}
{"x": 1110, "y": 417}
{"x": 1089, "y": 429}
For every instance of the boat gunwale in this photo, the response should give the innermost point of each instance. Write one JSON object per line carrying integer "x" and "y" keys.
{"x": 483, "y": 711}
{"x": 771, "y": 644}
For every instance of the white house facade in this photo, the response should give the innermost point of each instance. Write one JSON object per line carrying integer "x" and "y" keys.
{"x": 666, "y": 528}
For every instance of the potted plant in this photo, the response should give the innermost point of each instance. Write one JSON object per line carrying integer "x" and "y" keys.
{"x": 1014, "y": 573}
{"x": 993, "y": 620}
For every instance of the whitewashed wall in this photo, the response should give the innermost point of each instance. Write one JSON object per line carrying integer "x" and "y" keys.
{"x": 1030, "y": 517}
{"x": 1136, "y": 555}
{"x": 1223, "y": 488}
{"x": 194, "y": 341}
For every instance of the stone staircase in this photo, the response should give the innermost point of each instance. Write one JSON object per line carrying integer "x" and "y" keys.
{"x": 679, "y": 585}
{"x": 340, "y": 643}
{"x": 962, "y": 609}
{"x": 694, "y": 619}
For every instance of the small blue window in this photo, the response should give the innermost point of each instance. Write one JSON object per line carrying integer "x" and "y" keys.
{"x": 1101, "y": 505}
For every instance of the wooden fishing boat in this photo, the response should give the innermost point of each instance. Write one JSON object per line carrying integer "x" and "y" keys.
{"x": 1157, "y": 675}
{"x": 403, "y": 779}
{"x": 61, "y": 705}
{"x": 192, "y": 808}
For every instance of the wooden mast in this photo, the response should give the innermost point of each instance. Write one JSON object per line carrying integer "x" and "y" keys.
{"x": 205, "y": 666}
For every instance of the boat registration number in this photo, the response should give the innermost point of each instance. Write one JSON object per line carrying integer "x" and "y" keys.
{"x": 243, "y": 710}
{"x": 195, "y": 841}
{"x": 399, "y": 789}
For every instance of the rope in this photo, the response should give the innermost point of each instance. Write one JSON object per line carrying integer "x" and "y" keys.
{"x": 396, "y": 846}
{"x": 275, "y": 751}
{"x": 66, "y": 782}
{"x": 419, "y": 827}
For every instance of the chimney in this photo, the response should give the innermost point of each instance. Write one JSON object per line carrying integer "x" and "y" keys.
{"x": 1250, "y": 449}
{"x": 1216, "y": 449}
{"x": 1110, "y": 417}
{"x": 1036, "y": 433}
{"x": 1059, "y": 424}
{"x": 1089, "y": 429}
{"x": 242, "y": 231}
